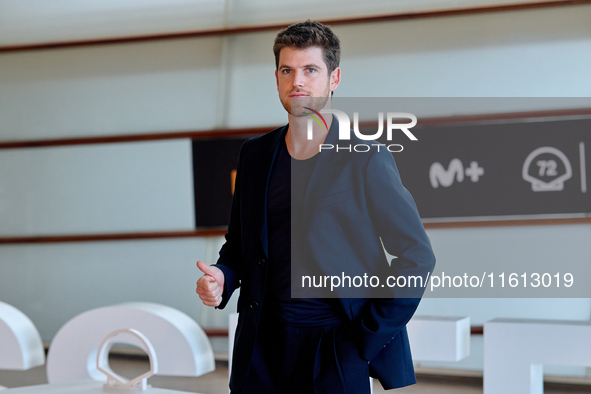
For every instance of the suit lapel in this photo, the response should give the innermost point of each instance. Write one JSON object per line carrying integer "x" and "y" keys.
{"x": 267, "y": 159}
{"x": 326, "y": 170}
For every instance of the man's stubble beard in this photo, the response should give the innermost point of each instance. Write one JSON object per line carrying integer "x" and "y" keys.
{"x": 316, "y": 103}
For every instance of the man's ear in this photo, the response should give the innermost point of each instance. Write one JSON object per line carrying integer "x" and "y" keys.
{"x": 277, "y": 80}
{"x": 335, "y": 78}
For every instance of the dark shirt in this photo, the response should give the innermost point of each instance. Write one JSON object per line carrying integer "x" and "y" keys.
{"x": 285, "y": 205}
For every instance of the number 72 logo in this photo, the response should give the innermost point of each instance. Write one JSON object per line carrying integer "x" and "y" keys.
{"x": 547, "y": 168}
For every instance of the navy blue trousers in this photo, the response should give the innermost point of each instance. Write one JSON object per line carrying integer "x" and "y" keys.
{"x": 306, "y": 360}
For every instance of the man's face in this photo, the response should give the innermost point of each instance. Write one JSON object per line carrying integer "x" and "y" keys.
{"x": 303, "y": 76}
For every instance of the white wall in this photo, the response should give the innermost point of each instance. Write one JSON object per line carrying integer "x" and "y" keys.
{"x": 97, "y": 188}
{"x": 109, "y": 90}
{"x": 197, "y": 84}
{"x": 51, "y": 283}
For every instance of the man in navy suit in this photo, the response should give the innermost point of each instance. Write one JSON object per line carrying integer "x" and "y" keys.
{"x": 294, "y": 206}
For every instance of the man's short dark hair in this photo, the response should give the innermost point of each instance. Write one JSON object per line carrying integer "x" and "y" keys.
{"x": 308, "y": 34}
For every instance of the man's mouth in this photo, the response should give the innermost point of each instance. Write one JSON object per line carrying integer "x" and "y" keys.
{"x": 299, "y": 94}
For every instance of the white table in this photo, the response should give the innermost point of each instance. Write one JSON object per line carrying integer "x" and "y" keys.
{"x": 79, "y": 387}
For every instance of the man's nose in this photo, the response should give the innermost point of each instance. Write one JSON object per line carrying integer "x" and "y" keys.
{"x": 298, "y": 79}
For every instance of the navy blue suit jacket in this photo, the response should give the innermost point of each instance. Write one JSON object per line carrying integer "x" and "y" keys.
{"x": 365, "y": 193}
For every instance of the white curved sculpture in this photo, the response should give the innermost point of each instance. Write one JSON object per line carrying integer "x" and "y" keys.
{"x": 116, "y": 382}
{"x": 182, "y": 347}
{"x": 21, "y": 347}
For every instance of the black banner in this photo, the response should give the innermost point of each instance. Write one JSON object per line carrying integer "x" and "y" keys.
{"x": 491, "y": 170}
{"x": 213, "y": 164}
{"x": 487, "y": 170}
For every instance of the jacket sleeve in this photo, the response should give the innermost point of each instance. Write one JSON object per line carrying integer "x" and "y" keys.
{"x": 398, "y": 224}
{"x": 231, "y": 252}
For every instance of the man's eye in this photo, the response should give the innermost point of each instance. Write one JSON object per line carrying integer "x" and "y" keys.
{"x": 285, "y": 71}
{"x": 311, "y": 70}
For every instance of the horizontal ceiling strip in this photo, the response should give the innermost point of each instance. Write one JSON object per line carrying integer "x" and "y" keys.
{"x": 274, "y": 27}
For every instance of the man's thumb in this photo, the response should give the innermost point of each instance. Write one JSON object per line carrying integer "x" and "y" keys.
{"x": 203, "y": 267}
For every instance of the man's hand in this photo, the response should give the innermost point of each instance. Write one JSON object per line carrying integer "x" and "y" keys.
{"x": 211, "y": 285}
